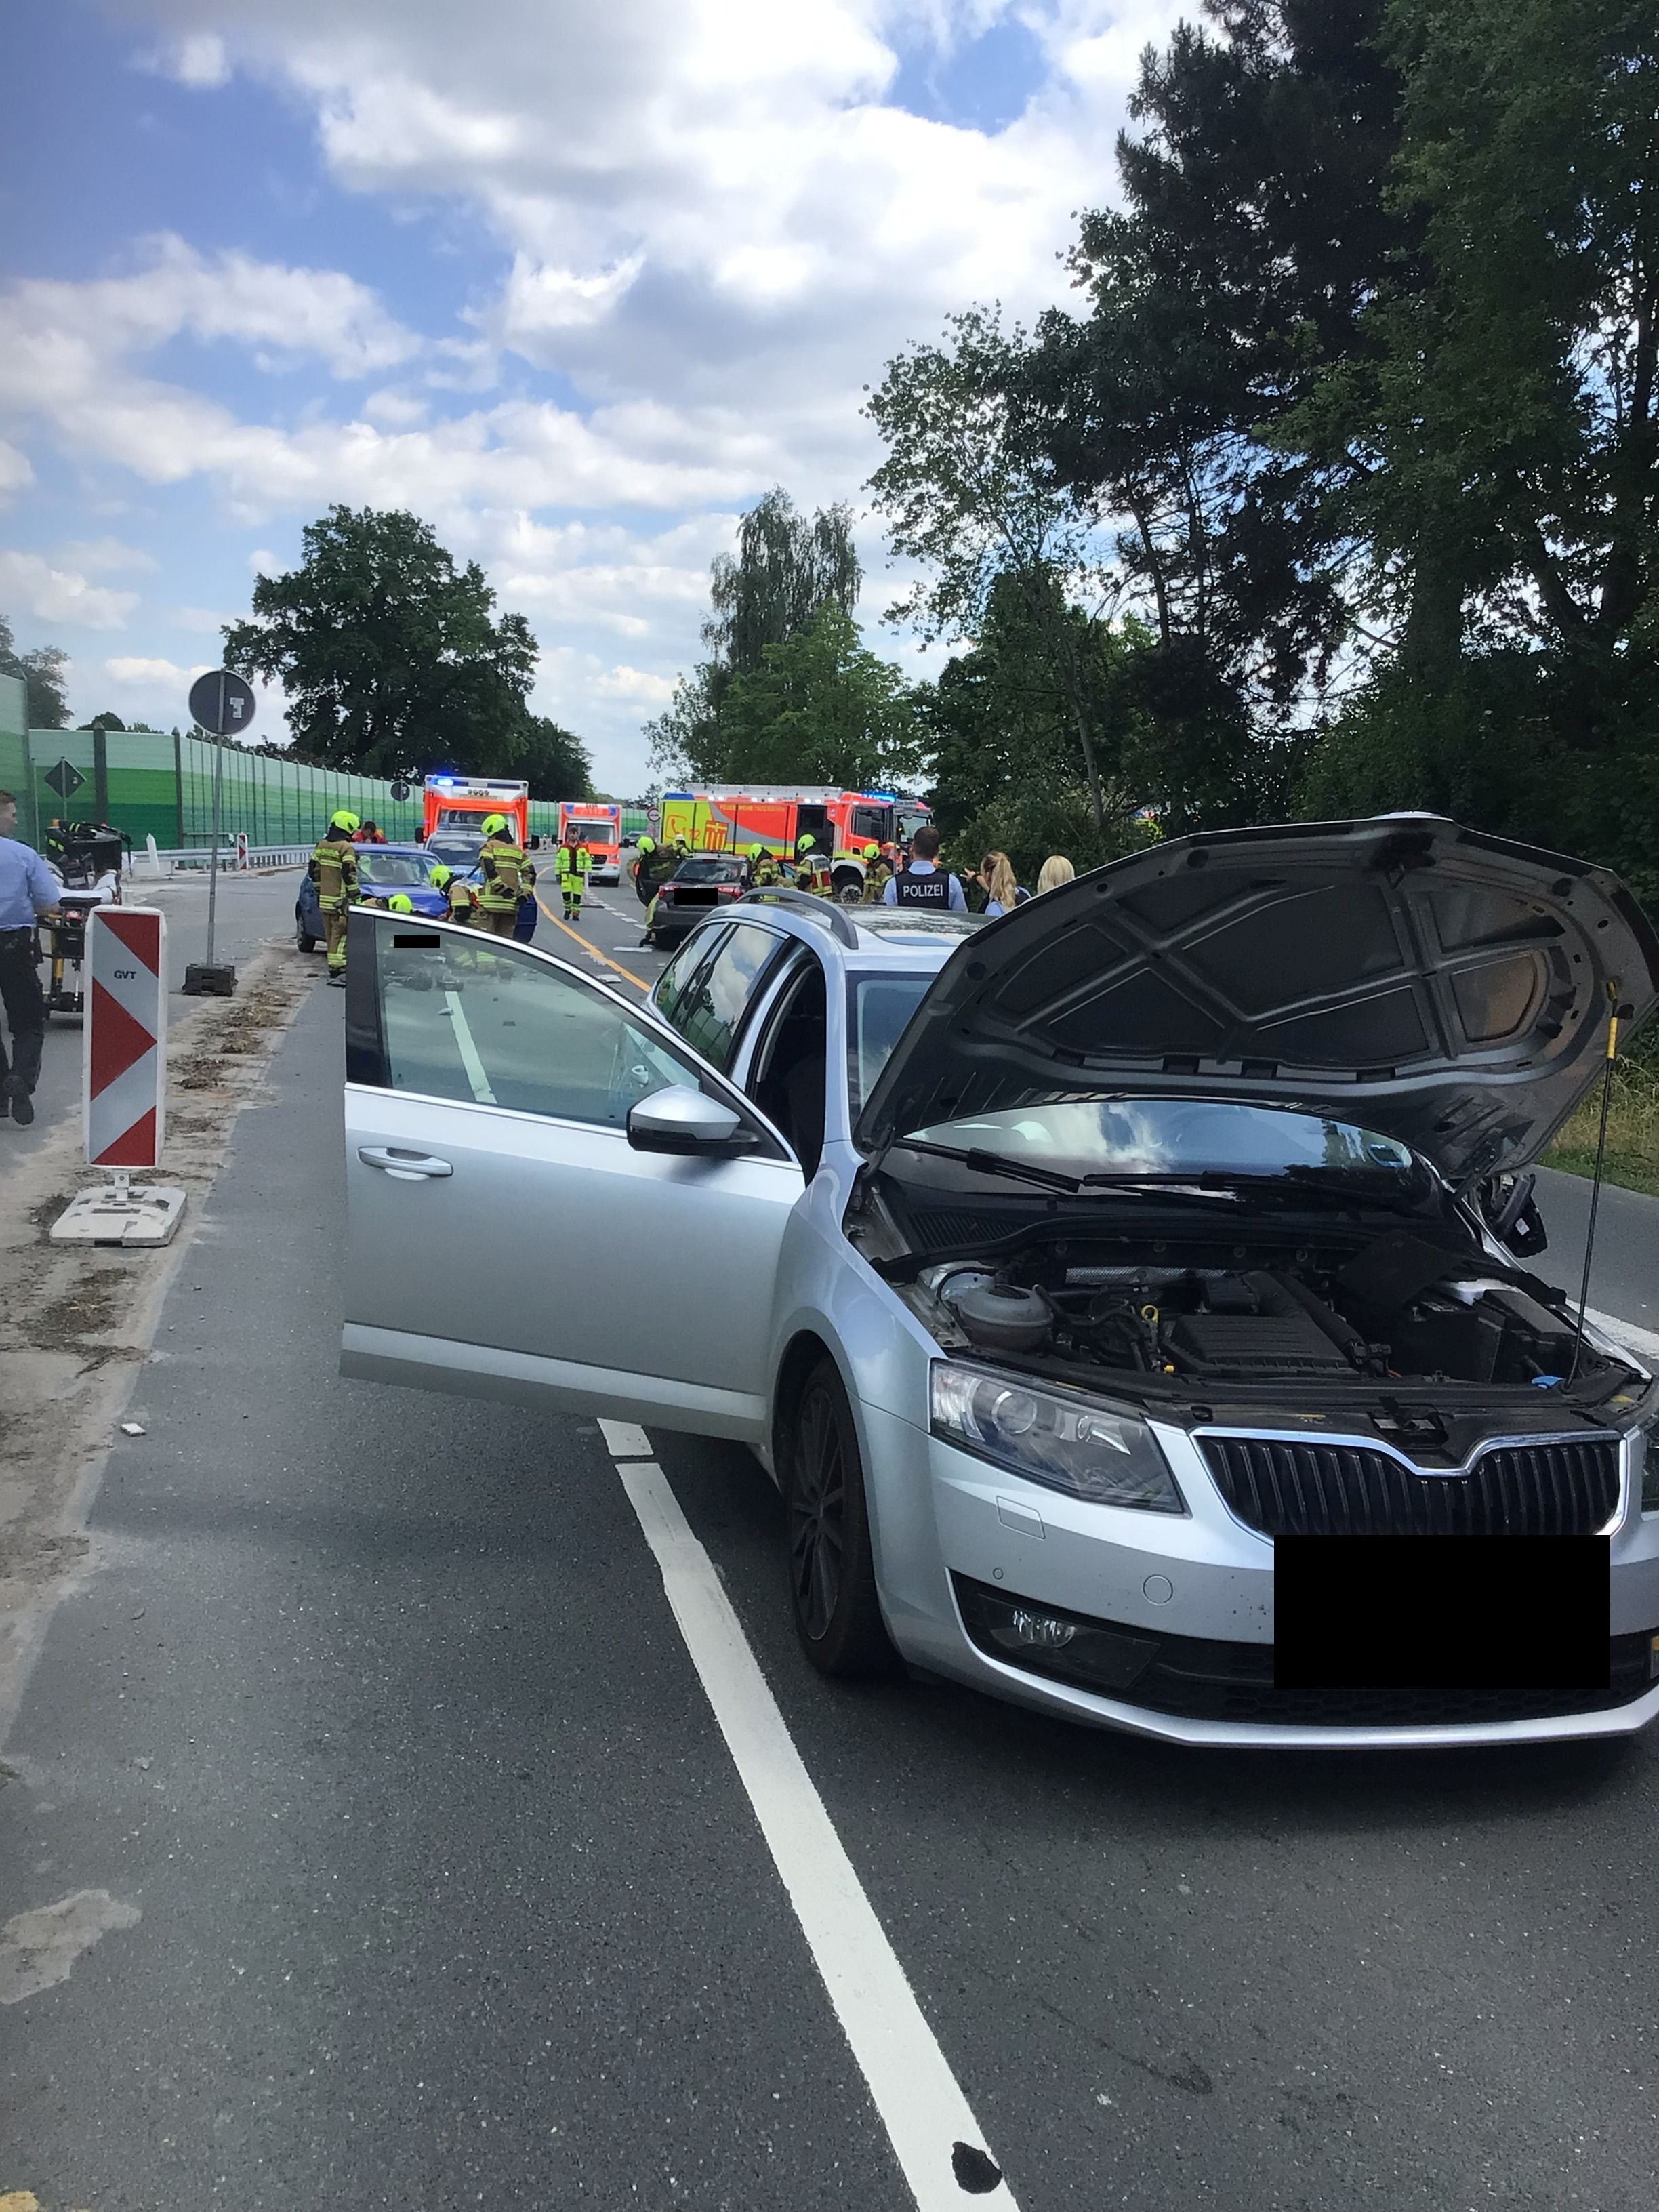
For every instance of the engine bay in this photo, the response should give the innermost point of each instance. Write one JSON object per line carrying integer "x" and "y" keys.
{"x": 1393, "y": 1309}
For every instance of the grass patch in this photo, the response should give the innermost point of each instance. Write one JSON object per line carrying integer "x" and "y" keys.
{"x": 1632, "y": 1157}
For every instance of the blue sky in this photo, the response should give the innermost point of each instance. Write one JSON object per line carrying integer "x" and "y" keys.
{"x": 575, "y": 284}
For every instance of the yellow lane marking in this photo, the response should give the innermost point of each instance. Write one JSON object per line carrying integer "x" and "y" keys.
{"x": 558, "y": 923}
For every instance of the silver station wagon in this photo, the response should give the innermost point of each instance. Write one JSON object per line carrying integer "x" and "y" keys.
{"x": 1134, "y": 1298}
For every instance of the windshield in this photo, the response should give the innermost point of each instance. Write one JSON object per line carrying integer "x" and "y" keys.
{"x": 711, "y": 871}
{"x": 402, "y": 870}
{"x": 881, "y": 1005}
{"x": 1163, "y": 1137}
{"x": 455, "y": 852}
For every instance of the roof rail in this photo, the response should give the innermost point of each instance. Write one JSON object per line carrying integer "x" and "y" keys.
{"x": 817, "y": 910}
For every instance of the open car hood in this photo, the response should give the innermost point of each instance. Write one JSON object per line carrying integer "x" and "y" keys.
{"x": 1436, "y": 985}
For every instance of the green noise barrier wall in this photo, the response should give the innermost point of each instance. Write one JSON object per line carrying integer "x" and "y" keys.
{"x": 150, "y": 785}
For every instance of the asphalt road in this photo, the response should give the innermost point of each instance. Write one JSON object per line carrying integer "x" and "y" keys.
{"x": 378, "y": 1718}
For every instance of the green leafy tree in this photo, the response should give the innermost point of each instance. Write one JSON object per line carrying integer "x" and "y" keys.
{"x": 1254, "y": 230}
{"x": 787, "y": 568}
{"x": 45, "y": 674}
{"x": 392, "y": 656}
{"x": 970, "y": 491}
{"x": 821, "y": 707}
{"x": 106, "y": 720}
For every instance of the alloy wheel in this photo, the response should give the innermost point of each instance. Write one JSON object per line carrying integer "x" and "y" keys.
{"x": 817, "y": 1514}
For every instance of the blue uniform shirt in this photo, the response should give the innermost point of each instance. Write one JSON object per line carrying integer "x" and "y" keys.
{"x": 27, "y": 886}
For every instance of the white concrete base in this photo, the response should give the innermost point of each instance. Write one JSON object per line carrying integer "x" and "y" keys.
{"x": 135, "y": 1215}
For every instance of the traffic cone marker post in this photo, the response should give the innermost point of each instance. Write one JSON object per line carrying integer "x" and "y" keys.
{"x": 124, "y": 1083}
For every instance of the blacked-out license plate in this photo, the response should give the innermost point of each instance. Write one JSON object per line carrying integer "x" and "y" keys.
{"x": 1441, "y": 1612}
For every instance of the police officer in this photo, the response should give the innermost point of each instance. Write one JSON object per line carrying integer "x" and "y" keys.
{"x": 507, "y": 877}
{"x": 27, "y": 888}
{"x": 573, "y": 862}
{"x": 920, "y": 881}
{"x": 333, "y": 868}
{"x": 461, "y": 900}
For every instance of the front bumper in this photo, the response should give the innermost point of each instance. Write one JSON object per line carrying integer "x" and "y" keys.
{"x": 1198, "y": 1586}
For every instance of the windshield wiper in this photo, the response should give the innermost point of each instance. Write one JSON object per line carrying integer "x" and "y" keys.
{"x": 991, "y": 1163}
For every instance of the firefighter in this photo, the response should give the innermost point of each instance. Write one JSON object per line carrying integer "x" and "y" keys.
{"x": 573, "y": 862}
{"x": 662, "y": 862}
{"x": 461, "y": 900}
{"x": 400, "y": 903}
{"x": 811, "y": 869}
{"x": 508, "y": 876}
{"x": 643, "y": 884}
{"x": 333, "y": 868}
{"x": 767, "y": 874}
{"x": 877, "y": 872}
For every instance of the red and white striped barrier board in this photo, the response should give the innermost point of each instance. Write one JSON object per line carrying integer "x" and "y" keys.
{"x": 126, "y": 1080}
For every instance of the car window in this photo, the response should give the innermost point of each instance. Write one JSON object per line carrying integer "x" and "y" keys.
{"x": 469, "y": 1017}
{"x": 881, "y": 1005}
{"x": 403, "y": 871}
{"x": 709, "y": 1012}
{"x": 672, "y": 984}
{"x": 713, "y": 869}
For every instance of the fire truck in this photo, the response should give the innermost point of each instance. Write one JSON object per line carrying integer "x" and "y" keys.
{"x": 776, "y": 817}
{"x": 457, "y": 805}
{"x": 599, "y": 827}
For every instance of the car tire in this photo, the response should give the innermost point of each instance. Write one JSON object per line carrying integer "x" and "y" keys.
{"x": 306, "y": 944}
{"x": 848, "y": 886}
{"x": 831, "y": 1565}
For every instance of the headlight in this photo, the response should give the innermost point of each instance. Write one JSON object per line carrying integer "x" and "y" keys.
{"x": 1648, "y": 1444}
{"x": 1054, "y": 1438}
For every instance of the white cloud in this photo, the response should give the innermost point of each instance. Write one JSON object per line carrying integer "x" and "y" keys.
{"x": 135, "y": 673}
{"x": 71, "y": 337}
{"x": 52, "y": 594}
{"x": 106, "y": 555}
{"x": 635, "y": 683}
{"x": 15, "y": 473}
{"x": 199, "y": 61}
{"x": 712, "y": 224}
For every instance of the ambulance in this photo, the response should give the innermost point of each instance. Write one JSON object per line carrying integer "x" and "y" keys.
{"x": 455, "y": 808}
{"x": 599, "y": 827}
{"x": 776, "y": 817}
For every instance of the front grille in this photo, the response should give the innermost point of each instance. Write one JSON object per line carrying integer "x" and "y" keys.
{"x": 1285, "y": 1487}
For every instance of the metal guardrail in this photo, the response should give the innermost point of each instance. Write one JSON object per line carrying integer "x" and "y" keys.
{"x": 197, "y": 859}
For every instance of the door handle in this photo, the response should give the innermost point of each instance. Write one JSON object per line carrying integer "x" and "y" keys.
{"x": 408, "y": 1167}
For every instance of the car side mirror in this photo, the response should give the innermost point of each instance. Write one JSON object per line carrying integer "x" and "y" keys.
{"x": 681, "y": 1120}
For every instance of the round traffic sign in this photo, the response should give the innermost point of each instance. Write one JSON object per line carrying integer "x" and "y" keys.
{"x": 400, "y": 791}
{"x": 222, "y": 703}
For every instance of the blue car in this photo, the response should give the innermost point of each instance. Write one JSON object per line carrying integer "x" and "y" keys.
{"x": 381, "y": 870}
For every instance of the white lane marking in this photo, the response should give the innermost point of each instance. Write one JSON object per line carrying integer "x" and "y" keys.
{"x": 1643, "y": 1341}
{"x": 927, "y": 2119}
{"x": 625, "y": 1440}
{"x": 468, "y": 1051}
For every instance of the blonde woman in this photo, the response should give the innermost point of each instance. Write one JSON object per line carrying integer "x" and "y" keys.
{"x": 1003, "y": 894}
{"x": 1056, "y": 870}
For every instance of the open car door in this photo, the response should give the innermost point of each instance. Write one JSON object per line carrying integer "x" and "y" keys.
{"x": 610, "y": 1209}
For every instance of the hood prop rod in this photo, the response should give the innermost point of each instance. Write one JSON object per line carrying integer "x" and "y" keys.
{"x": 1614, "y": 1009}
